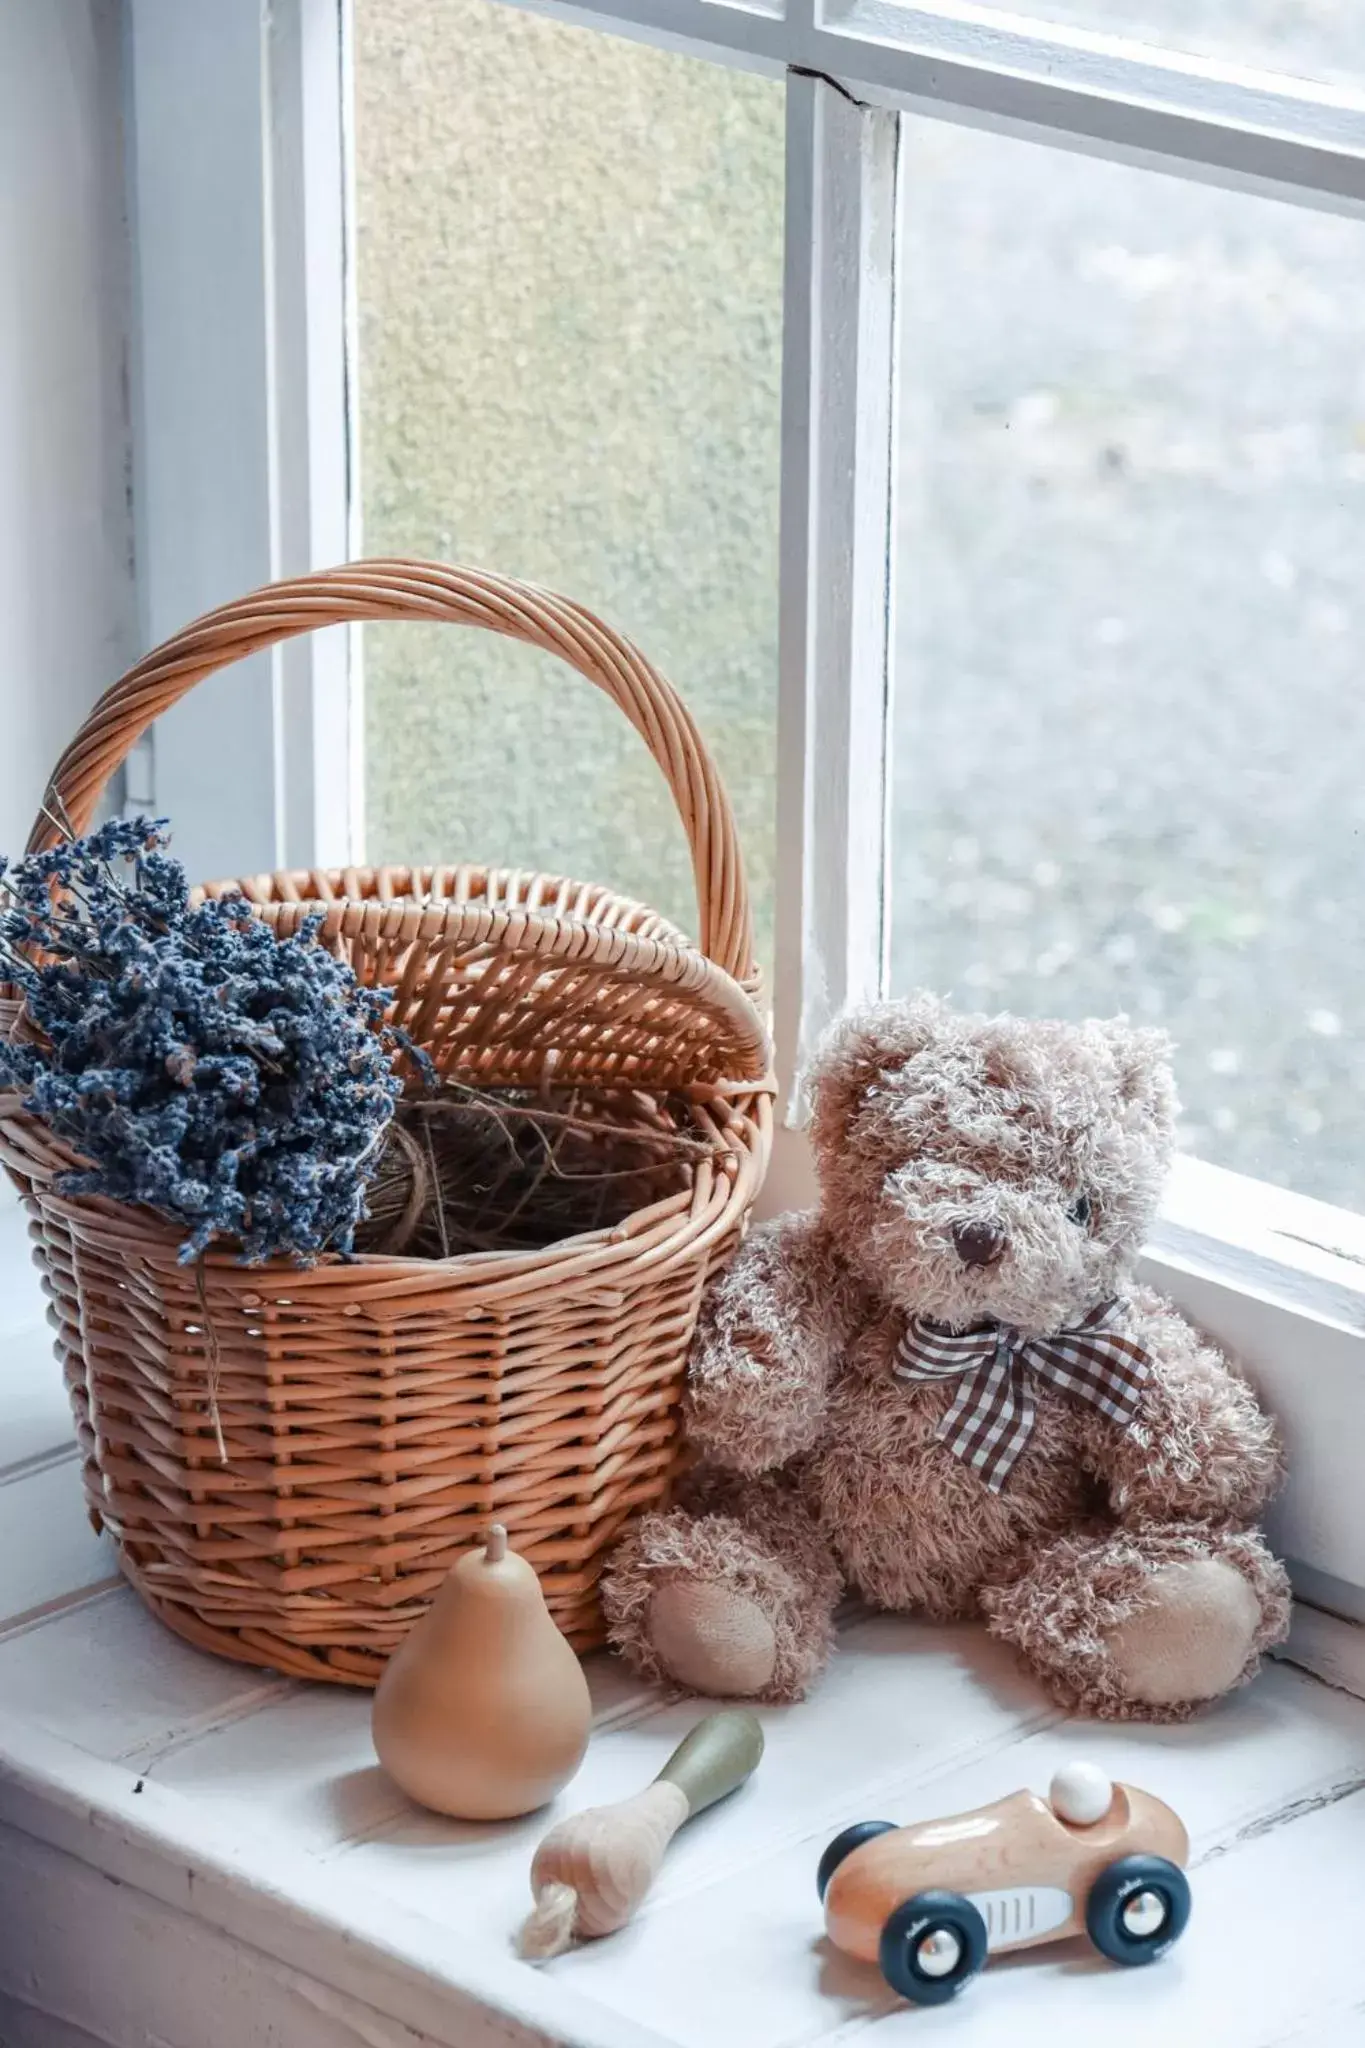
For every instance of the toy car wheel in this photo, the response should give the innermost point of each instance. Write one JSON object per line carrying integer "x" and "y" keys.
{"x": 844, "y": 1845}
{"x": 1137, "y": 1908}
{"x": 931, "y": 1946}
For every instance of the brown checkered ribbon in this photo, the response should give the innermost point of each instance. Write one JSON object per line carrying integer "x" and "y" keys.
{"x": 991, "y": 1417}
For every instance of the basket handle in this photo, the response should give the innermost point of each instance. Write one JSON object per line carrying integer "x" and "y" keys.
{"x": 429, "y": 591}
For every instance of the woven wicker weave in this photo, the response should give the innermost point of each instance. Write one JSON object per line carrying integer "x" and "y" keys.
{"x": 377, "y": 1414}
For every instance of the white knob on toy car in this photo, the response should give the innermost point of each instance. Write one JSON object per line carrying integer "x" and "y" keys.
{"x": 1081, "y": 1794}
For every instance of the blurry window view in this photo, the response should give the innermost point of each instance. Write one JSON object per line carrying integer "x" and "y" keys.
{"x": 570, "y": 280}
{"x": 1130, "y": 729}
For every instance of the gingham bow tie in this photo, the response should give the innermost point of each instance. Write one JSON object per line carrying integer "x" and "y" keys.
{"x": 991, "y": 1417}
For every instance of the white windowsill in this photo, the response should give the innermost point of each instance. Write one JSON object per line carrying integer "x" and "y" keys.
{"x": 200, "y": 1854}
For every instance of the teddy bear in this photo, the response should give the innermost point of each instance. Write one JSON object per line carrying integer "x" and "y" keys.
{"x": 943, "y": 1391}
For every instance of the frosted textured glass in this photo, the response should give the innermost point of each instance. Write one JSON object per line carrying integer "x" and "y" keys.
{"x": 570, "y": 257}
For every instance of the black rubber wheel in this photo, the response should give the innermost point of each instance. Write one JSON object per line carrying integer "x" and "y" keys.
{"x": 844, "y": 1845}
{"x": 905, "y": 1965}
{"x": 1114, "y": 1905}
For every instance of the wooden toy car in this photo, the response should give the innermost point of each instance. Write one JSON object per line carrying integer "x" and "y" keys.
{"x": 929, "y": 1902}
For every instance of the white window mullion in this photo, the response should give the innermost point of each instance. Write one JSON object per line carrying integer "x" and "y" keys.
{"x": 1107, "y": 95}
{"x": 319, "y": 704}
{"x": 837, "y": 530}
{"x": 1047, "y": 81}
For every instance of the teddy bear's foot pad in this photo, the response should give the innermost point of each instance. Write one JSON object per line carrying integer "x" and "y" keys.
{"x": 1144, "y": 1625}
{"x": 1192, "y": 1636}
{"x": 711, "y": 1638}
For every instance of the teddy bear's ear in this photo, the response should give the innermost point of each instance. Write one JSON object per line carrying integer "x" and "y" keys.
{"x": 1142, "y": 1061}
{"x": 862, "y": 1047}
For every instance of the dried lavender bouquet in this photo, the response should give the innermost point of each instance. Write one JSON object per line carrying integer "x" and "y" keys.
{"x": 240, "y": 1084}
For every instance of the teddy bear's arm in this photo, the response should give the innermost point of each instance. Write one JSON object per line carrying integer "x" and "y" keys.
{"x": 771, "y": 1333}
{"x": 1201, "y": 1449}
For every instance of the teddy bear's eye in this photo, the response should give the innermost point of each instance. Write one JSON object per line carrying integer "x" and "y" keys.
{"x": 1079, "y": 1212}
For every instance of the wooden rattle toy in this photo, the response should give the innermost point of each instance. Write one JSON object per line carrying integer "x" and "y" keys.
{"x": 929, "y": 1902}
{"x": 483, "y": 1711}
{"x": 591, "y": 1871}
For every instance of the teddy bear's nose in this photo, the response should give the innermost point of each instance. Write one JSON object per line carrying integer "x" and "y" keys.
{"x": 978, "y": 1244}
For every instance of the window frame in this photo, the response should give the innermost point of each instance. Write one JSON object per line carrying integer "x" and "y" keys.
{"x": 244, "y": 327}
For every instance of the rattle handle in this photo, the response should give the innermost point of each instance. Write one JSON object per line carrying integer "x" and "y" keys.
{"x": 591, "y": 1871}
{"x": 714, "y": 1758}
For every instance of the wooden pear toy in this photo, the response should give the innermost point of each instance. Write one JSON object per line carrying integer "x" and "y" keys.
{"x": 591, "y": 1871}
{"x": 483, "y": 1711}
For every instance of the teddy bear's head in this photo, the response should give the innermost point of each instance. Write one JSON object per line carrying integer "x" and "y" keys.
{"x": 977, "y": 1168}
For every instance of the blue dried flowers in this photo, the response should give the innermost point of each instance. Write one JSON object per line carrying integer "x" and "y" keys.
{"x": 240, "y": 1084}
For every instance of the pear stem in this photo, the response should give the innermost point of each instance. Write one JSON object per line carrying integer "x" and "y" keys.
{"x": 495, "y": 1549}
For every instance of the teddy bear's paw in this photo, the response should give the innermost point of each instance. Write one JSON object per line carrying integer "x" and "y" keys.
{"x": 1143, "y": 1625}
{"x": 711, "y": 1638}
{"x": 733, "y": 1605}
{"x": 1191, "y": 1639}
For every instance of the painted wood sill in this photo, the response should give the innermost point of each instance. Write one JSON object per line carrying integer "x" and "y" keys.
{"x": 196, "y": 1855}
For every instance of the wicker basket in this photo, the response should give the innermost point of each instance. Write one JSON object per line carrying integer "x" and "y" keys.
{"x": 377, "y": 1414}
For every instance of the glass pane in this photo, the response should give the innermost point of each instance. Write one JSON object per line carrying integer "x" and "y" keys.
{"x": 570, "y": 337}
{"x": 1318, "y": 40}
{"x": 1131, "y": 726}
